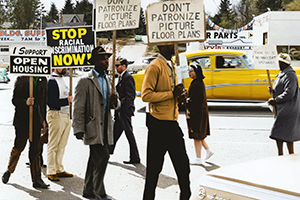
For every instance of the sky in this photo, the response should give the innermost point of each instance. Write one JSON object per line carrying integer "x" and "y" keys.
{"x": 211, "y": 6}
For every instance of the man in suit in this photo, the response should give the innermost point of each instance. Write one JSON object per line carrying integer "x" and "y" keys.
{"x": 92, "y": 122}
{"x": 22, "y": 102}
{"x": 126, "y": 91}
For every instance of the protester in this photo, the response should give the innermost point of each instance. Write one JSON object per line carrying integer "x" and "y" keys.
{"x": 93, "y": 122}
{"x": 286, "y": 99}
{"x": 126, "y": 91}
{"x": 58, "y": 118}
{"x": 22, "y": 102}
{"x": 197, "y": 113}
{"x": 160, "y": 89}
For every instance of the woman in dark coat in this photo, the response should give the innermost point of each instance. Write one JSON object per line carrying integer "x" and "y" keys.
{"x": 286, "y": 100}
{"x": 197, "y": 113}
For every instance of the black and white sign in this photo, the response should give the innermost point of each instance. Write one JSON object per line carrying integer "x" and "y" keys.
{"x": 117, "y": 14}
{"x": 30, "y": 60}
{"x": 175, "y": 21}
{"x": 265, "y": 57}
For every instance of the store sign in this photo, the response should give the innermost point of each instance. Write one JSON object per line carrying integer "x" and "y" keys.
{"x": 175, "y": 21}
{"x": 72, "y": 47}
{"x": 15, "y": 36}
{"x": 117, "y": 14}
{"x": 30, "y": 60}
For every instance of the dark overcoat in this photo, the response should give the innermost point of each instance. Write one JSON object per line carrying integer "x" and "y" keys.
{"x": 197, "y": 111}
{"x": 20, "y": 96}
{"x": 286, "y": 91}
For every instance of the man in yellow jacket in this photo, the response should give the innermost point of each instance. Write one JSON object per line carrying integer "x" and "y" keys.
{"x": 160, "y": 89}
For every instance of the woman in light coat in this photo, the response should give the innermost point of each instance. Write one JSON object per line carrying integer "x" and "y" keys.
{"x": 286, "y": 100}
{"x": 197, "y": 114}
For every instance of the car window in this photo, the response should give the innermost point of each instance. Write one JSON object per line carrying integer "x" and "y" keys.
{"x": 228, "y": 62}
{"x": 204, "y": 62}
{"x": 247, "y": 60}
{"x": 146, "y": 61}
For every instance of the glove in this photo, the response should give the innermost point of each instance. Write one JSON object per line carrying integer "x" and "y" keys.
{"x": 114, "y": 99}
{"x": 178, "y": 90}
{"x": 182, "y": 98}
{"x": 79, "y": 136}
{"x": 272, "y": 101}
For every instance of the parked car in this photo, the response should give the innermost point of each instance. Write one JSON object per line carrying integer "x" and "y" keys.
{"x": 138, "y": 38}
{"x": 272, "y": 178}
{"x": 139, "y": 64}
{"x": 4, "y": 67}
{"x": 229, "y": 75}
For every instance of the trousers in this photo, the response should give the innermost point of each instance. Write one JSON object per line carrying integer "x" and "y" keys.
{"x": 165, "y": 136}
{"x": 22, "y": 134}
{"x": 123, "y": 123}
{"x": 96, "y": 167}
{"x": 59, "y": 131}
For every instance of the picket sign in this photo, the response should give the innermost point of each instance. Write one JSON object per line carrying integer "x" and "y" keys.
{"x": 30, "y": 61}
{"x": 174, "y": 22}
{"x": 266, "y": 57}
{"x": 113, "y": 15}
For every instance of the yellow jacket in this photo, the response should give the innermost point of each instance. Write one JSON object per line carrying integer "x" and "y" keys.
{"x": 157, "y": 89}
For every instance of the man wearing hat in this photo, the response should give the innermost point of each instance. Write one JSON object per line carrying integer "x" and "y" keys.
{"x": 92, "y": 121}
{"x": 286, "y": 99}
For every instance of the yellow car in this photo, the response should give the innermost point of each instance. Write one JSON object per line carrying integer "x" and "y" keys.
{"x": 229, "y": 75}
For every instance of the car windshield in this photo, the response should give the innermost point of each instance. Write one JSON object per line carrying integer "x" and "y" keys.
{"x": 247, "y": 60}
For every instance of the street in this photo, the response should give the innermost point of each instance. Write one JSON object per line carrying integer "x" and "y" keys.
{"x": 239, "y": 132}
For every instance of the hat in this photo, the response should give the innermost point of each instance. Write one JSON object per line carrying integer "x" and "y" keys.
{"x": 284, "y": 57}
{"x": 123, "y": 61}
{"x": 98, "y": 51}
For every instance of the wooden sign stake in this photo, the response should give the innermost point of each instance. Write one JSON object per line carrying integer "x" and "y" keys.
{"x": 176, "y": 49}
{"x": 30, "y": 109}
{"x": 272, "y": 95}
{"x": 70, "y": 72}
{"x": 71, "y": 91}
{"x": 114, "y": 60}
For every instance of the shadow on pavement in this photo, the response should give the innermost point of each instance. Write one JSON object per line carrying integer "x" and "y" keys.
{"x": 163, "y": 181}
{"x": 69, "y": 190}
{"x": 211, "y": 166}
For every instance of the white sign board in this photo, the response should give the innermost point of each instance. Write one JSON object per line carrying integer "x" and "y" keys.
{"x": 175, "y": 21}
{"x": 265, "y": 57}
{"x": 30, "y": 60}
{"x": 182, "y": 70}
{"x": 117, "y": 14}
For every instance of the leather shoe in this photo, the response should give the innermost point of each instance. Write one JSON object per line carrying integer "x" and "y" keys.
{"x": 88, "y": 196}
{"x": 138, "y": 161}
{"x": 104, "y": 197}
{"x": 40, "y": 184}
{"x": 64, "y": 174}
{"x": 5, "y": 177}
{"x": 53, "y": 177}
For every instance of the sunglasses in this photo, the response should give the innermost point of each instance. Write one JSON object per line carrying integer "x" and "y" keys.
{"x": 117, "y": 65}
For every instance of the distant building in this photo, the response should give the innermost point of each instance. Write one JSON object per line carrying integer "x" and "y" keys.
{"x": 68, "y": 20}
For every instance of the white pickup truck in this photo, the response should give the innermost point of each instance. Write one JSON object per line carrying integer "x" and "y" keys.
{"x": 273, "y": 178}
